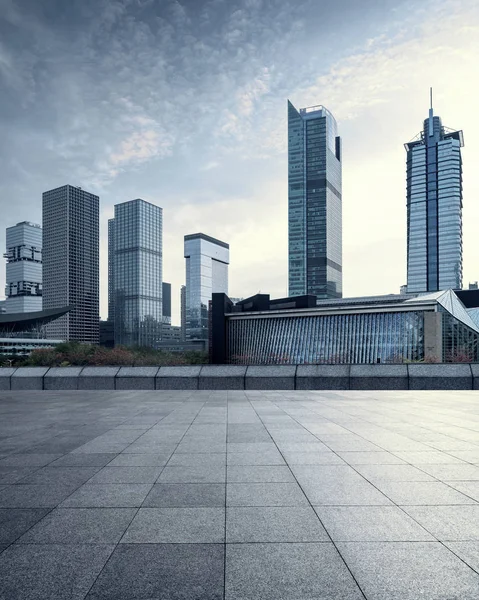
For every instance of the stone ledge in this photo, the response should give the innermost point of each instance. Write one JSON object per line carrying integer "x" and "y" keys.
{"x": 379, "y": 377}
{"x": 270, "y": 377}
{"x": 5, "y": 377}
{"x": 28, "y": 378}
{"x": 438, "y": 376}
{"x": 178, "y": 378}
{"x": 97, "y": 378}
{"x": 222, "y": 377}
{"x": 62, "y": 378}
{"x": 136, "y": 378}
{"x": 322, "y": 377}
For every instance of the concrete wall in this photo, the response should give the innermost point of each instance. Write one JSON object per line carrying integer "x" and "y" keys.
{"x": 236, "y": 377}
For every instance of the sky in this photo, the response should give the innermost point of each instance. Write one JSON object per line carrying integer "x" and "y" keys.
{"x": 184, "y": 103}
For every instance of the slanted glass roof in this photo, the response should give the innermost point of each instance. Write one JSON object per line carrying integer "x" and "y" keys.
{"x": 451, "y": 303}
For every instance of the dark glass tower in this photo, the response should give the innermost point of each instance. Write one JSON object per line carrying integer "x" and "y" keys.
{"x": 434, "y": 208}
{"x": 136, "y": 239}
{"x": 314, "y": 201}
{"x": 71, "y": 240}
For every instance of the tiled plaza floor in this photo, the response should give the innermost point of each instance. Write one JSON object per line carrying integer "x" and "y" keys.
{"x": 239, "y": 495}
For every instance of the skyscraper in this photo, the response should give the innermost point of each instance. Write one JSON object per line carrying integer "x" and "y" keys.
{"x": 111, "y": 271}
{"x": 183, "y": 312}
{"x": 434, "y": 208}
{"x": 166, "y": 303}
{"x": 71, "y": 240}
{"x": 315, "y": 203}
{"x": 24, "y": 268}
{"x": 136, "y": 239}
{"x": 207, "y": 261}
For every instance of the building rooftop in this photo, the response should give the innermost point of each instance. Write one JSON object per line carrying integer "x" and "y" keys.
{"x": 252, "y": 495}
{"x": 207, "y": 238}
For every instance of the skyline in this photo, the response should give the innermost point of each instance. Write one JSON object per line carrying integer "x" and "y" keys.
{"x": 200, "y": 128}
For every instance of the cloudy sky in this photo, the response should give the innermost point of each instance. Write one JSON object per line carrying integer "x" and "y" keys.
{"x": 183, "y": 103}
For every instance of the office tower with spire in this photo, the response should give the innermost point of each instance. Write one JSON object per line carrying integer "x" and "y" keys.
{"x": 434, "y": 208}
{"x": 71, "y": 241}
{"x": 135, "y": 243}
{"x": 314, "y": 203}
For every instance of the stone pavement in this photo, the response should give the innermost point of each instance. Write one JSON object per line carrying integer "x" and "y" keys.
{"x": 239, "y": 495}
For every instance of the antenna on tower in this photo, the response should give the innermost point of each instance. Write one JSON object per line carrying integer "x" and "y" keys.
{"x": 431, "y": 117}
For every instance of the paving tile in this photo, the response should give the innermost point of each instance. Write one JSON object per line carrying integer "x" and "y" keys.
{"x": 127, "y": 475}
{"x": 197, "y": 460}
{"x": 198, "y": 474}
{"x": 83, "y": 460}
{"x": 266, "y": 457}
{"x": 80, "y": 526}
{"x": 287, "y": 572}
{"x": 177, "y": 526}
{"x": 414, "y": 493}
{"x": 370, "y": 458}
{"x": 28, "y": 460}
{"x": 409, "y": 570}
{"x": 264, "y": 494}
{"x": 467, "y": 551}
{"x": 53, "y": 572}
{"x": 376, "y": 473}
{"x": 313, "y": 458}
{"x": 251, "y": 447}
{"x": 428, "y": 458}
{"x": 164, "y": 495}
{"x": 61, "y": 475}
{"x": 15, "y": 522}
{"x": 9, "y": 475}
{"x": 259, "y": 474}
{"x": 370, "y": 524}
{"x": 34, "y": 496}
{"x": 273, "y": 524}
{"x": 140, "y": 460}
{"x": 162, "y": 571}
{"x": 454, "y": 523}
{"x": 107, "y": 495}
{"x": 453, "y": 472}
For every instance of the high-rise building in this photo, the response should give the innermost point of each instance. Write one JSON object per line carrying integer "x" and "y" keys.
{"x": 315, "y": 203}
{"x": 23, "y": 290}
{"x": 183, "y": 312}
{"x": 71, "y": 241}
{"x": 166, "y": 303}
{"x": 111, "y": 272}
{"x": 434, "y": 208}
{"x": 207, "y": 261}
{"x": 136, "y": 238}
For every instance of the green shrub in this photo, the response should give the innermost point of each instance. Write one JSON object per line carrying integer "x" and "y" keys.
{"x": 77, "y": 354}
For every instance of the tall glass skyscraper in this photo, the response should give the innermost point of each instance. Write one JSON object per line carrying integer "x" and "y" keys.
{"x": 314, "y": 201}
{"x": 136, "y": 239}
{"x": 207, "y": 261}
{"x": 24, "y": 268}
{"x": 71, "y": 240}
{"x": 434, "y": 208}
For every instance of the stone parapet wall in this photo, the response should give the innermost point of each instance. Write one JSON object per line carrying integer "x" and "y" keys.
{"x": 236, "y": 377}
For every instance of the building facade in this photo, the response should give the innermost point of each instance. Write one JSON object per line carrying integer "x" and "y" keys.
{"x": 207, "y": 261}
{"x": 23, "y": 288}
{"x": 71, "y": 244}
{"x": 111, "y": 271}
{"x": 434, "y": 208}
{"x": 183, "y": 312}
{"x": 386, "y": 329}
{"x": 314, "y": 203}
{"x": 166, "y": 303}
{"x": 136, "y": 239}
